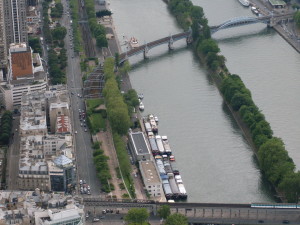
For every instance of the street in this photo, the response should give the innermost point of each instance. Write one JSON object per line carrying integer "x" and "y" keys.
{"x": 82, "y": 140}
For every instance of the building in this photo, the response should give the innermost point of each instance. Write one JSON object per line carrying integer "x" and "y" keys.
{"x": 58, "y": 103}
{"x": 3, "y": 47}
{"x": 36, "y": 207}
{"x": 33, "y": 169}
{"x": 25, "y": 74}
{"x": 151, "y": 178}
{"x": 277, "y": 3}
{"x": 138, "y": 146}
{"x": 33, "y": 16}
{"x": 15, "y": 21}
{"x": 64, "y": 217}
{"x": 61, "y": 172}
{"x": 33, "y": 114}
{"x": 63, "y": 125}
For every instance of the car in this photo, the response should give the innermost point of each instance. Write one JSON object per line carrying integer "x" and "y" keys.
{"x": 84, "y": 182}
{"x": 84, "y": 125}
{"x": 104, "y": 211}
{"x": 85, "y": 130}
{"x": 285, "y": 221}
{"x": 75, "y": 131}
{"x": 102, "y": 217}
{"x": 88, "y": 187}
{"x": 95, "y": 220}
{"x": 89, "y": 192}
{"x": 80, "y": 182}
{"x": 261, "y": 221}
{"x": 81, "y": 124}
{"x": 87, "y": 216}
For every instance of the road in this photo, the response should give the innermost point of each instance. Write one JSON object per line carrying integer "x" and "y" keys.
{"x": 13, "y": 157}
{"x": 82, "y": 140}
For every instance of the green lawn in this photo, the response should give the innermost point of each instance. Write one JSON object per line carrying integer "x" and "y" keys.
{"x": 97, "y": 122}
{"x": 94, "y": 103}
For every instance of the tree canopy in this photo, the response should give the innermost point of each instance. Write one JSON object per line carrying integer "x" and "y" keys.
{"x": 137, "y": 216}
{"x": 164, "y": 211}
{"x": 176, "y": 219}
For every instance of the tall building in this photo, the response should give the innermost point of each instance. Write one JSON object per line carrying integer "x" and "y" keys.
{"x": 15, "y": 21}
{"x": 3, "y": 49}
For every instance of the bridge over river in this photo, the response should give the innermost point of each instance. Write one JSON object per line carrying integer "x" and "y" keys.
{"x": 235, "y": 22}
{"x": 207, "y": 212}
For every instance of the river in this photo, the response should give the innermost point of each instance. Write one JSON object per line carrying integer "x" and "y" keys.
{"x": 215, "y": 161}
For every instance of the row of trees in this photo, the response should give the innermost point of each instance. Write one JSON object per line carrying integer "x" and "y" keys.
{"x": 274, "y": 161}
{"x": 57, "y": 64}
{"x": 97, "y": 29}
{"x": 5, "y": 127}
{"x": 273, "y": 158}
{"x": 76, "y": 33}
{"x": 141, "y": 215}
{"x": 100, "y": 162}
{"x": 117, "y": 110}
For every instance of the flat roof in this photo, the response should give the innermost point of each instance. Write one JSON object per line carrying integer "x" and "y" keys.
{"x": 149, "y": 171}
{"x": 139, "y": 143}
{"x": 277, "y": 2}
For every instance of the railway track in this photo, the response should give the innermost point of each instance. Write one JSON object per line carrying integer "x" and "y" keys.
{"x": 89, "y": 47}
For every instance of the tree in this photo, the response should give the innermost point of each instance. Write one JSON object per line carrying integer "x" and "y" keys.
{"x": 103, "y": 13}
{"x": 297, "y": 18}
{"x": 137, "y": 216}
{"x": 59, "y": 33}
{"x": 164, "y": 211}
{"x": 208, "y": 45}
{"x": 176, "y": 219}
{"x": 101, "y": 41}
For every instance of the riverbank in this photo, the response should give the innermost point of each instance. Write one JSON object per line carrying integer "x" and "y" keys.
{"x": 290, "y": 37}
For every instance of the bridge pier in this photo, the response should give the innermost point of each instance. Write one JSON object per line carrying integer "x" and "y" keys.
{"x": 145, "y": 52}
{"x": 170, "y": 44}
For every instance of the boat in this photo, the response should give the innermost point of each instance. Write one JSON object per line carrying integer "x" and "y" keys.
{"x": 166, "y": 145}
{"x": 156, "y": 119}
{"x": 245, "y": 3}
{"x": 160, "y": 144}
{"x": 255, "y": 10}
{"x": 141, "y": 106}
{"x": 172, "y": 158}
{"x": 133, "y": 42}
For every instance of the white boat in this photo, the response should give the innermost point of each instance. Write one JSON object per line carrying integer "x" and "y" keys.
{"x": 245, "y": 3}
{"x": 133, "y": 42}
{"x": 156, "y": 119}
{"x": 141, "y": 106}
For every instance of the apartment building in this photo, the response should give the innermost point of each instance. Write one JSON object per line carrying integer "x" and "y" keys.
{"x": 25, "y": 74}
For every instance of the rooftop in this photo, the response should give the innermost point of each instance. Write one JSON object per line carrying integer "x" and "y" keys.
{"x": 149, "y": 170}
{"x": 21, "y": 64}
{"x": 139, "y": 142}
{"x": 277, "y": 2}
{"x": 62, "y": 160}
{"x": 62, "y": 124}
